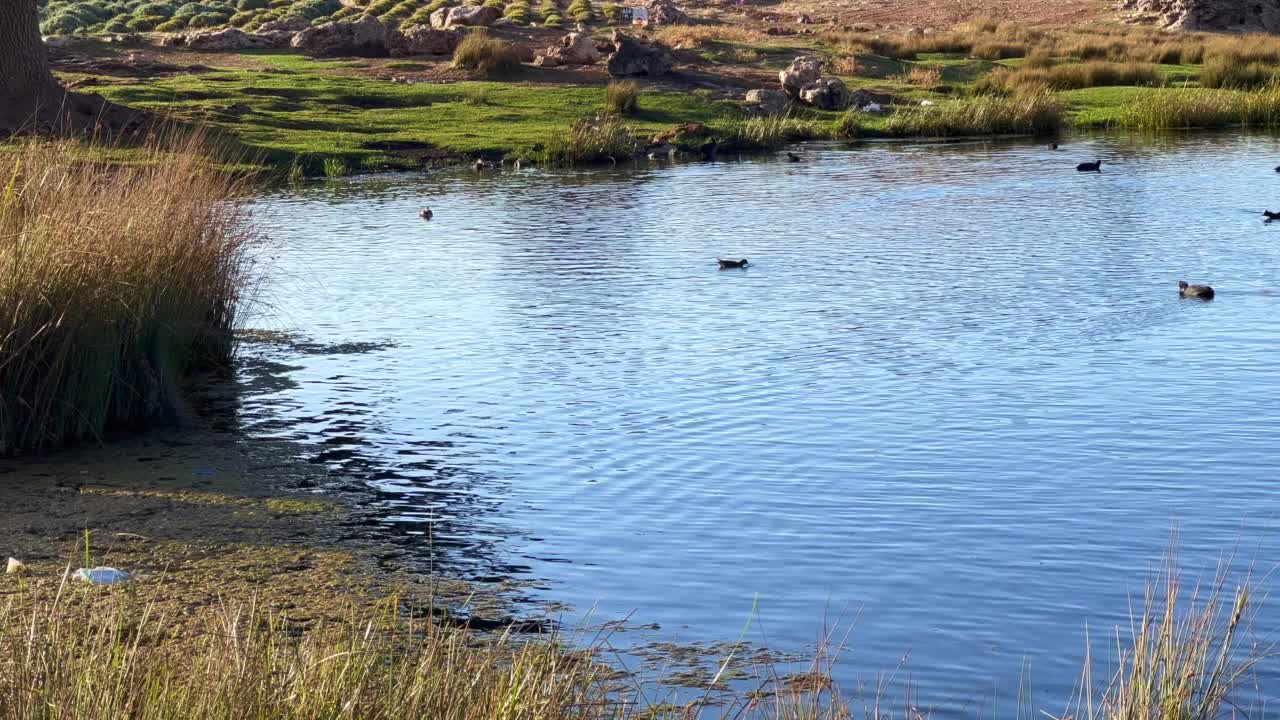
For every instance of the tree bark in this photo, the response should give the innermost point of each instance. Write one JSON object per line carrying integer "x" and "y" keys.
{"x": 31, "y": 100}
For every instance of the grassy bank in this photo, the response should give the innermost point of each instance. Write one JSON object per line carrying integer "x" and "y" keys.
{"x": 301, "y": 116}
{"x": 99, "y": 652}
{"x": 118, "y": 283}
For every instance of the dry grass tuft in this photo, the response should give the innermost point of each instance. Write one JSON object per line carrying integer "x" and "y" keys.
{"x": 1068, "y": 76}
{"x": 622, "y": 97}
{"x": 491, "y": 57}
{"x": 922, "y": 75}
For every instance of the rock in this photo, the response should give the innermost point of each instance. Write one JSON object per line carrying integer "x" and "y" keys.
{"x": 220, "y": 40}
{"x": 803, "y": 19}
{"x": 274, "y": 38}
{"x": 767, "y": 102}
{"x": 826, "y": 94}
{"x": 503, "y": 22}
{"x": 802, "y": 71}
{"x": 526, "y": 53}
{"x": 293, "y": 24}
{"x": 665, "y": 12}
{"x": 1210, "y": 15}
{"x": 15, "y": 567}
{"x": 426, "y": 40}
{"x": 545, "y": 61}
{"x": 466, "y": 16}
{"x": 632, "y": 57}
{"x": 574, "y": 49}
{"x": 366, "y": 37}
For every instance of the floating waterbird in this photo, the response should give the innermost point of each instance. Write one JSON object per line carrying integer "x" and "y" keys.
{"x": 1197, "y": 292}
{"x": 426, "y": 214}
{"x": 793, "y": 157}
{"x": 1090, "y": 167}
{"x": 727, "y": 264}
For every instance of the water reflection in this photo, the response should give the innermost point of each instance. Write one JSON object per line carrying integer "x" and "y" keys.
{"x": 956, "y": 387}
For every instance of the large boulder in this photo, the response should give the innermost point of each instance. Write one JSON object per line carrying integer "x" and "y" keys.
{"x": 801, "y": 72}
{"x": 424, "y": 40}
{"x": 293, "y": 23}
{"x": 767, "y": 102}
{"x": 221, "y": 40}
{"x": 574, "y": 49}
{"x": 633, "y": 57}
{"x": 366, "y": 37}
{"x": 825, "y": 94}
{"x": 665, "y": 12}
{"x": 1210, "y": 15}
{"x": 465, "y": 16}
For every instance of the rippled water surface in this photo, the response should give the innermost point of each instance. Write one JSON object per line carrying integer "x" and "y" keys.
{"x": 955, "y": 391}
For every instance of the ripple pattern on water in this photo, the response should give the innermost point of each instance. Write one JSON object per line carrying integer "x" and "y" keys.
{"x": 955, "y": 389}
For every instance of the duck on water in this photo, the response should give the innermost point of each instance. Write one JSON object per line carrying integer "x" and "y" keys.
{"x": 728, "y": 264}
{"x": 1195, "y": 292}
{"x": 1090, "y": 167}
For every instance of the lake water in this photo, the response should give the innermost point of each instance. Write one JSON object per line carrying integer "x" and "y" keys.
{"x": 955, "y": 393}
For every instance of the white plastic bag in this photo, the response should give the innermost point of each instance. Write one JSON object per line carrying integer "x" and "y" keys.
{"x": 101, "y": 576}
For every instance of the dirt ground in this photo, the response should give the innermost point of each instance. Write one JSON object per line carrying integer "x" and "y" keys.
{"x": 201, "y": 518}
{"x": 941, "y": 14}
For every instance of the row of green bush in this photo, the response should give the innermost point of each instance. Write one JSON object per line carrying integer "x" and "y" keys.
{"x": 66, "y": 17}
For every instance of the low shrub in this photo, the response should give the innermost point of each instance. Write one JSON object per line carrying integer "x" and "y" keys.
{"x": 144, "y": 24}
{"x": 245, "y": 5}
{"x": 170, "y": 26}
{"x": 553, "y": 21}
{"x": 313, "y": 9}
{"x": 489, "y": 56}
{"x": 154, "y": 10}
{"x": 613, "y": 14}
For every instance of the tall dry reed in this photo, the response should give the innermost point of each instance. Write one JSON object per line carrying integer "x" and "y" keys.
{"x": 115, "y": 284}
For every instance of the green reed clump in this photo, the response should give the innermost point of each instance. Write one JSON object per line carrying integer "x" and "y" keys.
{"x": 1183, "y": 658}
{"x": 591, "y": 140}
{"x": 1195, "y": 108}
{"x": 622, "y": 97}
{"x": 1067, "y": 76}
{"x": 489, "y": 56}
{"x": 1034, "y": 113}
{"x": 1229, "y": 72}
{"x": 117, "y": 283}
{"x": 768, "y": 133}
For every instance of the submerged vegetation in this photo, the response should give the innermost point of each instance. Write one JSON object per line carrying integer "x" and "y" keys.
{"x": 118, "y": 283}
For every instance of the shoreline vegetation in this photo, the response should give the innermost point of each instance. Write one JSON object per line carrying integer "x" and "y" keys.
{"x": 119, "y": 284}
{"x": 295, "y": 116}
{"x": 90, "y": 652}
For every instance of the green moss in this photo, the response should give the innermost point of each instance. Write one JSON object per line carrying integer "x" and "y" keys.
{"x": 310, "y": 112}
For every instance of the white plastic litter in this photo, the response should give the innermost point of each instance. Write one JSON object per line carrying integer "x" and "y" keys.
{"x": 15, "y": 567}
{"x": 926, "y": 103}
{"x": 101, "y": 575}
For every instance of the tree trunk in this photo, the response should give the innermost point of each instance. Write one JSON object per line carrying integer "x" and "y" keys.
{"x": 31, "y": 100}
